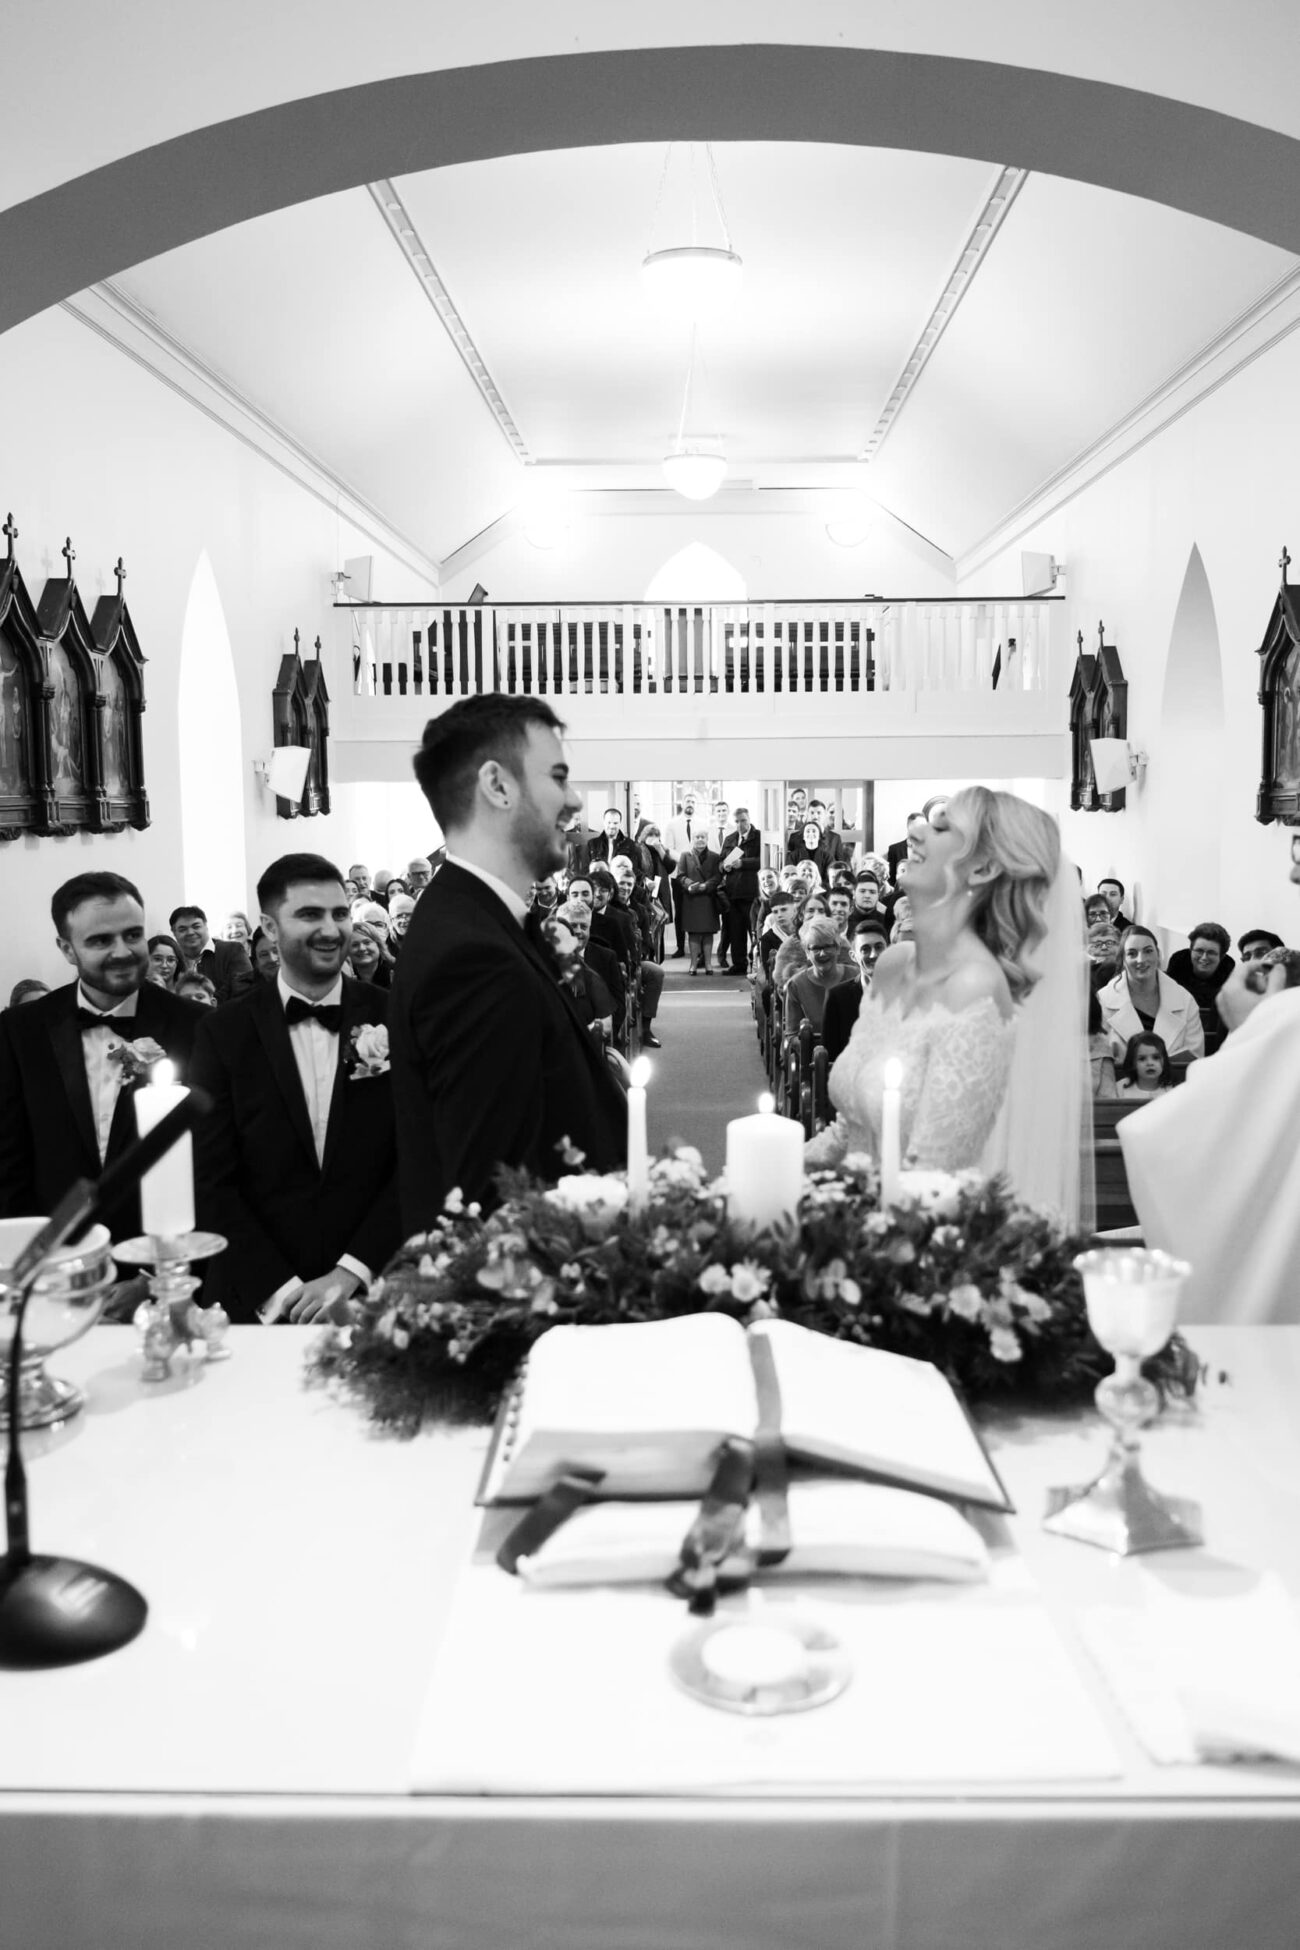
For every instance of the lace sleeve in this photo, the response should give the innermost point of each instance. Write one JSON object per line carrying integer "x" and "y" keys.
{"x": 969, "y": 1060}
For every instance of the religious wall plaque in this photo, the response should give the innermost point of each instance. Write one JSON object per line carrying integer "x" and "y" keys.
{"x": 1279, "y": 702}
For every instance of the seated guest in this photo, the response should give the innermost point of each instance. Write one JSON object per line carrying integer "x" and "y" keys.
{"x": 810, "y": 845}
{"x": 1101, "y": 1058}
{"x": 901, "y": 926}
{"x": 866, "y": 898}
{"x": 1140, "y": 997}
{"x": 611, "y": 923}
{"x": 840, "y": 904}
{"x": 366, "y": 959}
{"x": 602, "y": 961}
{"x": 652, "y": 975}
{"x": 237, "y": 928}
{"x": 779, "y": 928}
{"x": 1095, "y": 909}
{"x": 225, "y": 963}
{"x": 164, "y": 961}
{"x": 806, "y": 991}
{"x": 1202, "y": 968}
{"x": 352, "y": 891}
{"x": 820, "y": 815}
{"x": 1102, "y": 949}
{"x": 296, "y": 1163}
{"x": 359, "y": 874}
{"x": 566, "y": 933}
{"x": 419, "y": 872}
{"x": 400, "y": 909}
{"x": 396, "y": 885}
{"x": 1145, "y": 1071}
{"x": 28, "y": 990}
{"x": 266, "y": 956}
{"x": 66, "y": 1081}
{"x": 868, "y": 943}
{"x": 1256, "y": 943}
{"x": 380, "y": 885}
{"x": 196, "y": 988}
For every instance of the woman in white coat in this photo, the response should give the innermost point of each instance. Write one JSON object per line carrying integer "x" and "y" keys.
{"x": 1142, "y": 998}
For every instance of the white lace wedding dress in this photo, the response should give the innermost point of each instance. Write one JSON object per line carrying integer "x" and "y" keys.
{"x": 955, "y": 1072}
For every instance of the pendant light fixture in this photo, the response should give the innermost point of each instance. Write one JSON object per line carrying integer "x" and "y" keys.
{"x": 694, "y": 281}
{"x": 696, "y": 464}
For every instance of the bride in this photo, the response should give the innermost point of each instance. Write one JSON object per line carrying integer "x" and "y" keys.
{"x": 985, "y": 1008}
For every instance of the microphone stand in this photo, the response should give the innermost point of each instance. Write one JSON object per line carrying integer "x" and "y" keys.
{"x": 60, "y": 1611}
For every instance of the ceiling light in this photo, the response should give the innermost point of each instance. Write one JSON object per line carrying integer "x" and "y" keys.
{"x": 695, "y": 471}
{"x": 852, "y": 516}
{"x": 692, "y": 281}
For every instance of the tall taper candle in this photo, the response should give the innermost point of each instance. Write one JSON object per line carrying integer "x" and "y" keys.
{"x": 764, "y": 1167}
{"x": 638, "y": 1153}
{"x": 166, "y": 1192}
{"x": 891, "y": 1154}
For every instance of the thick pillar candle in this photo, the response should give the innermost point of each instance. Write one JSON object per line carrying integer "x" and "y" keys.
{"x": 891, "y": 1151}
{"x": 764, "y": 1167}
{"x": 638, "y": 1154}
{"x": 166, "y": 1192}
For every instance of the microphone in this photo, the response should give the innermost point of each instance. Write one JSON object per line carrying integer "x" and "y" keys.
{"x": 59, "y": 1611}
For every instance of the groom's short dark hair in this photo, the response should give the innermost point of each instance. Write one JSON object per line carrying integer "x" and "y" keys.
{"x": 457, "y": 743}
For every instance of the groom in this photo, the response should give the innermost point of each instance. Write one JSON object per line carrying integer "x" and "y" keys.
{"x": 492, "y": 1064}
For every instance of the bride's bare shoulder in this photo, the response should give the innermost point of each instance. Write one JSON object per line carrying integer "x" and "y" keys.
{"x": 892, "y": 968}
{"x": 978, "y": 980}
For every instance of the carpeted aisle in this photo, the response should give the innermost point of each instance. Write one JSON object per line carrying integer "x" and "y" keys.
{"x": 709, "y": 1069}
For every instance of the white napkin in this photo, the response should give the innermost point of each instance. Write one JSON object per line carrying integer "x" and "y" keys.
{"x": 1205, "y": 1675}
{"x": 841, "y": 1528}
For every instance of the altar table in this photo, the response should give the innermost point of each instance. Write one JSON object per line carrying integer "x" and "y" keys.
{"x": 238, "y": 1776}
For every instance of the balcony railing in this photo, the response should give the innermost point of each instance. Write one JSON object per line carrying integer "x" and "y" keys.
{"x": 625, "y": 650}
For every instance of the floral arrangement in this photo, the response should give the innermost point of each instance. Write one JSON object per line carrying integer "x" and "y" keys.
{"x": 136, "y": 1060}
{"x": 956, "y": 1273}
{"x": 368, "y": 1054}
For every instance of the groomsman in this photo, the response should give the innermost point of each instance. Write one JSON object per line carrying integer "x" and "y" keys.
{"x": 492, "y": 1064}
{"x": 296, "y": 1162}
{"x": 225, "y": 963}
{"x": 67, "y": 1072}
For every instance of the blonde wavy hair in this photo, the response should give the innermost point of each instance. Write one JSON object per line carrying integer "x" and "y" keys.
{"x": 1023, "y": 843}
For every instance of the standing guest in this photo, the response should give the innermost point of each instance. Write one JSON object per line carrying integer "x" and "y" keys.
{"x": 266, "y": 956}
{"x": 742, "y": 849}
{"x": 1145, "y": 1071}
{"x": 366, "y": 958}
{"x": 225, "y": 963}
{"x": 820, "y": 813}
{"x": 380, "y": 885}
{"x": 196, "y": 988}
{"x": 361, "y": 876}
{"x": 237, "y": 928}
{"x": 164, "y": 961}
{"x": 679, "y": 837}
{"x": 1140, "y": 997}
{"x": 396, "y": 885}
{"x": 700, "y": 872}
{"x": 896, "y": 854}
{"x": 868, "y": 941}
{"x": 1113, "y": 892}
{"x": 611, "y": 842}
{"x": 796, "y": 810}
{"x": 66, "y": 1070}
{"x": 1202, "y": 968}
{"x": 637, "y": 905}
{"x": 352, "y": 891}
{"x": 809, "y": 846}
{"x": 419, "y": 873}
{"x": 296, "y": 1164}
{"x": 1256, "y": 943}
{"x": 577, "y": 847}
{"x": 658, "y": 867}
{"x": 492, "y": 1065}
{"x": 28, "y": 990}
{"x": 400, "y": 909}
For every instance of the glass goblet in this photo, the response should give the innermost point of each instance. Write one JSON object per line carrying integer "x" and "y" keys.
{"x": 65, "y": 1303}
{"x": 1132, "y": 1299}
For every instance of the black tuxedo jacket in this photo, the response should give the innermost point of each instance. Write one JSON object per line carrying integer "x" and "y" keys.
{"x": 257, "y": 1179}
{"x": 47, "y": 1124}
{"x": 842, "y": 1008}
{"x": 491, "y": 1063}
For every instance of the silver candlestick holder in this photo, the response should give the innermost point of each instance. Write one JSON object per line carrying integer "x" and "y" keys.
{"x": 170, "y": 1319}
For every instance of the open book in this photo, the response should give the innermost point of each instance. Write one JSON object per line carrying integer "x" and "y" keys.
{"x": 648, "y": 1403}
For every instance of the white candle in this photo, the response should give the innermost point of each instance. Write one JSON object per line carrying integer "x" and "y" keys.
{"x": 891, "y": 1154}
{"x": 638, "y": 1154}
{"x": 753, "y": 1655}
{"x": 166, "y": 1192}
{"x": 764, "y": 1167}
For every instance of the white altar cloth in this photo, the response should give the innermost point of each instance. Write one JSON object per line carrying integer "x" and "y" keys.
{"x": 239, "y": 1776}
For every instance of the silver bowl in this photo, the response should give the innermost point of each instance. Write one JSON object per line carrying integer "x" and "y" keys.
{"x": 65, "y": 1303}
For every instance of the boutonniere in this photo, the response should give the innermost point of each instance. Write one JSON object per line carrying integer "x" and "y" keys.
{"x": 368, "y": 1051}
{"x": 136, "y": 1060}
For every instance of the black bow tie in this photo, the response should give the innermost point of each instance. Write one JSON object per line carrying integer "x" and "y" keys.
{"x": 328, "y": 1014}
{"x": 88, "y": 1019}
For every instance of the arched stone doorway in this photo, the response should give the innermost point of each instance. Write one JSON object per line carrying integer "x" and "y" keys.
{"x": 1188, "y": 767}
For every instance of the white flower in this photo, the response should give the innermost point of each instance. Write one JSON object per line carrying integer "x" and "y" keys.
{"x": 877, "y": 1225}
{"x": 965, "y": 1300}
{"x": 570, "y": 1153}
{"x": 370, "y": 1042}
{"x": 689, "y": 1156}
{"x": 945, "y": 1236}
{"x": 714, "y": 1279}
{"x": 933, "y": 1191}
{"x": 850, "y": 1292}
{"x": 454, "y": 1201}
{"x": 596, "y": 1200}
{"x": 858, "y": 1164}
{"x": 1004, "y": 1344}
{"x": 749, "y": 1282}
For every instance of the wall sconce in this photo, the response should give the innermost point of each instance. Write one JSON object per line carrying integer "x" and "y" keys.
{"x": 1116, "y": 764}
{"x": 285, "y": 772}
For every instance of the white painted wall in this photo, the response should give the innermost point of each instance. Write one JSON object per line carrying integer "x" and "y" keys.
{"x": 1220, "y": 480}
{"x": 96, "y": 448}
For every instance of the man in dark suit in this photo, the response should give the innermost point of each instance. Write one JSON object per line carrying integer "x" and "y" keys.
{"x": 225, "y": 963}
{"x": 740, "y": 885}
{"x": 65, "y": 1090}
{"x": 897, "y": 853}
{"x": 296, "y": 1162}
{"x": 611, "y": 843}
{"x": 491, "y": 1063}
{"x": 602, "y": 962}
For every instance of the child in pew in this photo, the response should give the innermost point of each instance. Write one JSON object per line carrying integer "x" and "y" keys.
{"x": 1145, "y": 1070}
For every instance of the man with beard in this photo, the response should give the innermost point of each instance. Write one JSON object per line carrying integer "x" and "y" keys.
{"x": 68, "y": 1063}
{"x": 492, "y": 1064}
{"x": 296, "y": 1162}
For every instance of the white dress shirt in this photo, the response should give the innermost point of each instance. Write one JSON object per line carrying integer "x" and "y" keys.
{"x": 507, "y": 895}
{"x": 102, "y": 1074}
{"x": 316, "y": 1053}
